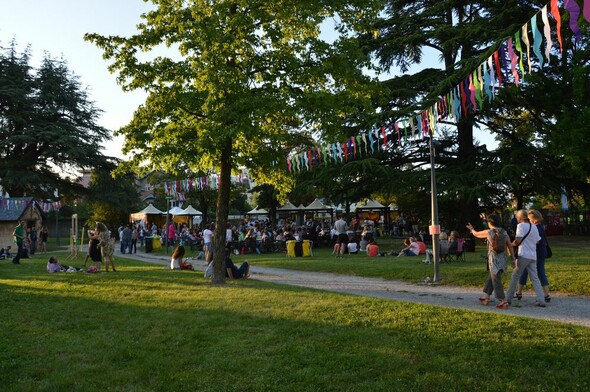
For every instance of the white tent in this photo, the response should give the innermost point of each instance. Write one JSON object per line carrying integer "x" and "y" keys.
{"x": 190, "y": 211}
{"x": 175, "y": 211}
{"x": 150, "y": 211}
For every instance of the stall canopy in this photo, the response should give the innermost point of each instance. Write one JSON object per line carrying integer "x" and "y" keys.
{"x": 185, "y": 215}
{"x": 190, "y": 211}
{"x": 318, "y": 208}
{"x": 373, "y": 210}
{"x": 175, "y": 211}
{"x": 150, "y": 213}
{"x": 256, "y": 213}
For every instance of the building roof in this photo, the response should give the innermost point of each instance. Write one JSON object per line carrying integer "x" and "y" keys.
{"x": 12, "y": 208}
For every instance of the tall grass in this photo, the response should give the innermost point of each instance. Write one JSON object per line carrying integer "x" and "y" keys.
{"x": 150, "y": 329}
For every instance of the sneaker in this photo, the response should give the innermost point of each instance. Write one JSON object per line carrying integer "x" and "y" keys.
{"x": 503, "y": 305}
{"x": 484, "y": 300}
{"x": 540, "y": 304}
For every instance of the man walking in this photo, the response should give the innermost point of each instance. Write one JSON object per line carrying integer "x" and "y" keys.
{"x": 19, "y": 236}
{"x": 342, "y": 241}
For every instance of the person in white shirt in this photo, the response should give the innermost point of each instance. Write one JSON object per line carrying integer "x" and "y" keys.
{"x": 207, "y": 241}
{"x": 352, "y": 248}
{"x": 526, "y": 239}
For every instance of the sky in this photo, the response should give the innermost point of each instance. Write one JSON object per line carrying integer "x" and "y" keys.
{"x": 57, "y": 27}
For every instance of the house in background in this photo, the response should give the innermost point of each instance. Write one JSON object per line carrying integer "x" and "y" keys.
{"x": 13, "y": 209}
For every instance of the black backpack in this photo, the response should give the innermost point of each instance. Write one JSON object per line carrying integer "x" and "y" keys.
{"x": 498, "y": 241}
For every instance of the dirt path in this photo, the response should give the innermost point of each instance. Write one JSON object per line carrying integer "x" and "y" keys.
{"x": 563, "y": 308}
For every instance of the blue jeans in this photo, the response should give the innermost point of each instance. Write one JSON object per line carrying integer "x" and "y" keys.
{"x": 540, "y": 272}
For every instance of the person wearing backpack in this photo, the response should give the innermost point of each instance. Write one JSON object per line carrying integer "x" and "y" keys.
{"x": 499, "y": 249}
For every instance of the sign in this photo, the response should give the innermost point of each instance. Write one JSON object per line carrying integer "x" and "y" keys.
{"x": 434, "y": 229}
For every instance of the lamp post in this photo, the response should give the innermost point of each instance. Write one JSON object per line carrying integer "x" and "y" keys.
{"x": 435, "y": 228}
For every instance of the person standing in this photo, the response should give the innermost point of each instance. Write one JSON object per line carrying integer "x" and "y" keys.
{"x": 126, "y": 235}
{"x": 497, "y": 258}
{"x": 526, "y": 240}
{"x": 134, "y": 236}
{"x": 94, "y": 253}
{"x": 342, "y": 240}
{"x": 536, "y": 218}
{"x": 44, "y": 235}
{"x": 33, "y": 238}
{"x": 106, "y": 245}
{"x": 19, "y": 237}
{"x": 207, "y": 241}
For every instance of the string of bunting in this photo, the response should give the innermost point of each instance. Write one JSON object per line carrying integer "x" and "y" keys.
{"x": 21, "y": 204}
{"x": 177, "y": 188}
{"x": 506, "y": 65}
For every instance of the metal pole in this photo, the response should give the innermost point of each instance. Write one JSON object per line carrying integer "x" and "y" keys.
{"x": 57, "y": 227}
{"x": 434, "y": 210}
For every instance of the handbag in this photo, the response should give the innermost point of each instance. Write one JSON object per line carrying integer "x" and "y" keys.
{"x": 549, "y": 251}
{"x": 523, "y": 238}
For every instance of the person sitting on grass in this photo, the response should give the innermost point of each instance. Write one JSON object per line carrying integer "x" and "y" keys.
{"x": 410, "y": 248}
{"x": 54, "y": 266}
{"x": 177, "y": 260}
{"x": 373, "y": 248}
{"x": 352, "y": 246}
{"x": 233, "y": 272}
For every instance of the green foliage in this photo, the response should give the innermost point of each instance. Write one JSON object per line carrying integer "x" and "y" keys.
{"x": 235, "y": 84}
{"x": 112, "y": 199}
{"x": 48, "y": 127}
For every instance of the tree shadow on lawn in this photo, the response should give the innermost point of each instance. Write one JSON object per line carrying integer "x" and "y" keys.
{"x": 233, "y": 340}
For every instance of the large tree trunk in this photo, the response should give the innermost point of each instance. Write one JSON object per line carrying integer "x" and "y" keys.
{"x": 468, "y": 210}
{"x": 221, "y": 215}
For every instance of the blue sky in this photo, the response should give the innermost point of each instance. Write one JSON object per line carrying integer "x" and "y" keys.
{"x": 58, "y": 27}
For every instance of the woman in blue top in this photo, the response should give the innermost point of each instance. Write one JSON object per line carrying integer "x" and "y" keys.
{"x": 536, "y": 218}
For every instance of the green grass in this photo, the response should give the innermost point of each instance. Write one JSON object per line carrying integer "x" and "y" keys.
{"x": 150, "y": 329}
{"x": 568, "y": 270}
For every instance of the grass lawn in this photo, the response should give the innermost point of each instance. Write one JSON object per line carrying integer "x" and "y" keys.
{"x": 150, "y": 329}
{"x": 568, "y": 270}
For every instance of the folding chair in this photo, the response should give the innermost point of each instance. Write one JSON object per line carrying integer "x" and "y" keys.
{"x": 459, "y": 254}
{"x": 444, "y": 251}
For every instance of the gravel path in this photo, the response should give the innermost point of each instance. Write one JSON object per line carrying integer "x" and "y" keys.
{"x": 563, "y": 308}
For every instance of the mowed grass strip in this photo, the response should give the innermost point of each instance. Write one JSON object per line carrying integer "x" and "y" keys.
{"x": 150, "y": 329}
{"x": 568, "y": 270}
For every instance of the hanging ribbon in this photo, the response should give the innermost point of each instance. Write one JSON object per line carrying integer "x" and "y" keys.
{"x": 574, "y": 10}
{"x": 547, "y": 33}
{"x": 513, "y": 61}
{"x": 537, "y": 40}
{"x": 557, "y": 16}
{"x": 527, "y": 43}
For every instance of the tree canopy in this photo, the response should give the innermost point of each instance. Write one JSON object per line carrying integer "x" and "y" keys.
{"x": 238, "y": 83}
{"x": 48, "y": 126}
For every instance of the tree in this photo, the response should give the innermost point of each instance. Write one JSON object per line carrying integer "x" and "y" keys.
{"x": 461, "y": 34}
{"x": 112, "y": 198}
{"x": 47, "y": 127}
{"x": 240, "y": 79}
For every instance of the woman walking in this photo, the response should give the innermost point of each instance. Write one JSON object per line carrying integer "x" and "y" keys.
{"x": 536, "y": 218}
{"x": 499, "y": 249}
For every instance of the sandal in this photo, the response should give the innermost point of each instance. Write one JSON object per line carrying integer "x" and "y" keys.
{"x": 503, "y": 305}
{"x": 484, "y": 300}
{"x": 518, "y": 296}
{"x": 547, "y": 298}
